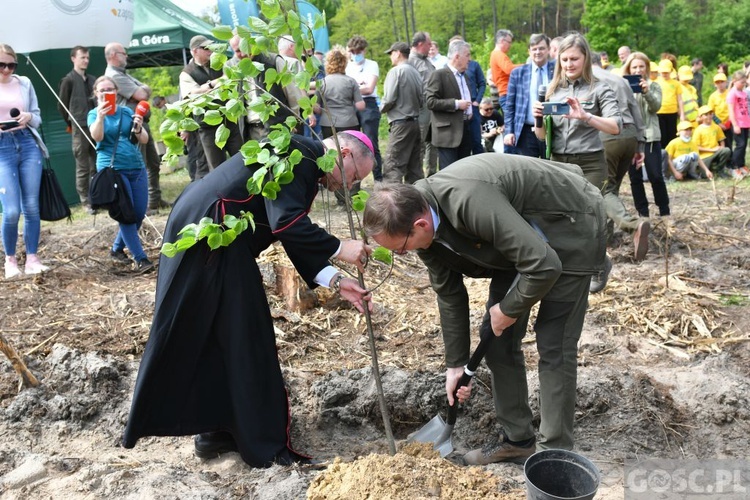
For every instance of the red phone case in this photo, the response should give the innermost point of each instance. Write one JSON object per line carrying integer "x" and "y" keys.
{"x": 111, "y": 99}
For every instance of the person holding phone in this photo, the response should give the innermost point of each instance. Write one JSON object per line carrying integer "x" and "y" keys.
{"x": 593, "y": 109}
{"x": 649, "y": 100}
{"x": 111, "y": 127}
{"x": 21, "y": 152}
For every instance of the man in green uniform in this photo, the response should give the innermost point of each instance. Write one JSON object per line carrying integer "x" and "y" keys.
{"x": 498, "y": 216}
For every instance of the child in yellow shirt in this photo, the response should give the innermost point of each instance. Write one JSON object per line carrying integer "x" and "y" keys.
{"x": 718, "y": 103}
{"x": 682, "y": 155}
{"x": 710, "y": 141}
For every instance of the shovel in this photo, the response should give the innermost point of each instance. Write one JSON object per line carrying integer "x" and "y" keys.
{"x": 438, "y": 431}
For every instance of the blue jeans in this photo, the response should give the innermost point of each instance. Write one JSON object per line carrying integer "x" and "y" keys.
{"x": 369, "y": 120}
{"x": 136, "y": 183}
{"x": 20, "y": 176}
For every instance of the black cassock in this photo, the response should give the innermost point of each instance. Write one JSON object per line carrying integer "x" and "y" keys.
{"x": 210, "y": 363}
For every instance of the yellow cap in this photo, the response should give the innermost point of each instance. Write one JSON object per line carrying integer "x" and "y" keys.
{"x": 720, "y": 77}
{"x": 654, "y": 67}
{"x": 704, "y": 110}
{"x": 684, "y": 125}
{"x": 685, "y": 73}
{"x": 665, "y": 66}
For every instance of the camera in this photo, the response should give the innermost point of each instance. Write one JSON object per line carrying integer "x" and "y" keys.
{"x": 635, "y": 83}
{"x": 555, "y": 108}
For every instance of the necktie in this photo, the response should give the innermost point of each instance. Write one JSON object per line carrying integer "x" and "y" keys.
{"x": 539, "y": 82}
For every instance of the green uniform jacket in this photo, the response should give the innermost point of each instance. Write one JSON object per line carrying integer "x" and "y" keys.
{"x": 508, "y": 212}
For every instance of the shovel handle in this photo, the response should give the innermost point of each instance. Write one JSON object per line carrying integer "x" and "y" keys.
{"x": 468, "y": 374}
{"x": 484, "y": 343}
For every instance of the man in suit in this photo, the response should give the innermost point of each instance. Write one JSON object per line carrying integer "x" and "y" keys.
{"x": 449, "y": 102}
{"x": 498, "y": 217}
{"x": 522, "y": 94}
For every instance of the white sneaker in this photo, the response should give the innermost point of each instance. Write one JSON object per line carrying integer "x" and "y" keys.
{"x": 11, "y": 270}
{"x": 34, "y": 266}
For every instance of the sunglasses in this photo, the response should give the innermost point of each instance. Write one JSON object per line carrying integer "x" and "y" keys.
{"x": 107, "y": 90}
{"x": 11, "y": 66}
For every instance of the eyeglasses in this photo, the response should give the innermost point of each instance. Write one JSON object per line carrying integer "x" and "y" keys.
{"x": 403, "y": 247}
{"x": 487, "y": 109}
{"x": 104, "y": 91}
{"x": 11, "y": 66}
{"x": 122, "y": 54}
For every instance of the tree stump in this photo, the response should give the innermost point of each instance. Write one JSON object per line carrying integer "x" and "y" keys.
{"x": 295, "y": 292}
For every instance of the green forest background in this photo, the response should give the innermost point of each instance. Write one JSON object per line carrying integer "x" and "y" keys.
{"x": 714, "y": 30}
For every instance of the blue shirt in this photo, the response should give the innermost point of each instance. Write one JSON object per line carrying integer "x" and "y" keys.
{"x": 128, "y": 155}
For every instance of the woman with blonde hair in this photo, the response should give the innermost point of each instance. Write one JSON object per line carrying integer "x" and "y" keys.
{"x": 21, "y": 152}
{"x": 593, "y": 109}
{"x": 339, "y": 95}
{"x": 649, "y": 101}
{"x": 110, "y": 127}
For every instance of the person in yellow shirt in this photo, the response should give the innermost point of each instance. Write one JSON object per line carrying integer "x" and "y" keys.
{"x": 718, "y": 103}
{"x": 682, "y": 155}
{"x": 689, "y": 94}
{"x": 709, "y": 138}
{"x": 671, "y": 101}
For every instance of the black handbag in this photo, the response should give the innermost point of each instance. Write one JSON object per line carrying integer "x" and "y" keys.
{"x": 107, "y": 190}
{"x": 52, "y": 204}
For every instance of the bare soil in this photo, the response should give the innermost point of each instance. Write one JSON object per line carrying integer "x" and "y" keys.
{"x": 663, "y": 370}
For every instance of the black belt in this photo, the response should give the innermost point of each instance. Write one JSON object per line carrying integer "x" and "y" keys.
{"x": 409, "y": 119}
{"x": 370, "y": 97}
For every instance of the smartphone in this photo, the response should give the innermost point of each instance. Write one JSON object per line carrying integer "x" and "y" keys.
{"x": 7, "y": 125}
{"x": 635, "y": 83}
{"x": 111, "y": 99}
{"x": 555, "y": 108}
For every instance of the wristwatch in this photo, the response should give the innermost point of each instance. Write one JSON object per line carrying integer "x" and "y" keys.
{"x": 336, "y": 284}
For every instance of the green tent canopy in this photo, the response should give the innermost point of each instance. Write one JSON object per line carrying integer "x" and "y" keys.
{"x": 162, "y": 33}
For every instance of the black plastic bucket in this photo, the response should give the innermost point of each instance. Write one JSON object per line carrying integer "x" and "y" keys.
{"x": 560, "y": 474}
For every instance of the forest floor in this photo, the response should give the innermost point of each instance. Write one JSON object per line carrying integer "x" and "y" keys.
{"x": 663, "y": 369}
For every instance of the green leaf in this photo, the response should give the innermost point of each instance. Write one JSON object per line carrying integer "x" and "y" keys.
{"x": 264, "y": 155}
{"x": 271, "y": 76}
{"x": 222, "y": 32}
{"x": 173, "y": 142}
{"x": 277, "y": 26}
{"x": 271, "y": 189}
{"x": 294, "y": 157}
{"x": 208, "y": 230}
{"x": 286, "y": 178}
{"x": 222, "y": 135}
{"x": 217, "y": 60}
{"x": 319, "y": 21}
{"x": 258, "y": 25}
{"x": 174, "y": 114}
{"x": 189, "y": 125}
{"x": 214, "y": 240}
{"x": 227, "y": 238}
{"x": 213, "y": 117}
{"x": 359, "y": 201}
{"x": 230, "y": 221}
{"x": 382, "y": 254}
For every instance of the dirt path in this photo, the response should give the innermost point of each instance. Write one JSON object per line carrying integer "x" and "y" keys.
{"x": 663, "y": 372}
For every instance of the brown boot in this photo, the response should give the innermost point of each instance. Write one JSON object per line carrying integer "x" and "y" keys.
{"x": 500, "y": 450}
{"x": 640, "y": 240}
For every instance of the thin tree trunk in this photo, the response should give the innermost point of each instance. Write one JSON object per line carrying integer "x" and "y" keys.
{"x": 413, "y": 18}
{"x": 406, "y": 20}
{"x": 395, "y": 26}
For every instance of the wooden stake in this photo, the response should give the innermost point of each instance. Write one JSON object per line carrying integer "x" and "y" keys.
{"x": 27, "y": 378}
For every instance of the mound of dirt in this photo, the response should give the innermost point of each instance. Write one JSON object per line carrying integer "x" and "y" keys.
{"x": 417, "y": 471}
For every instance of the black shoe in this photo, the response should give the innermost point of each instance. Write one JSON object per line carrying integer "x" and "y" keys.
{"x": 599, "y": 280}
{"x": 144, "y": 266}
{"x": 119, "y": 257}
{"x": 213, "y": 444}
